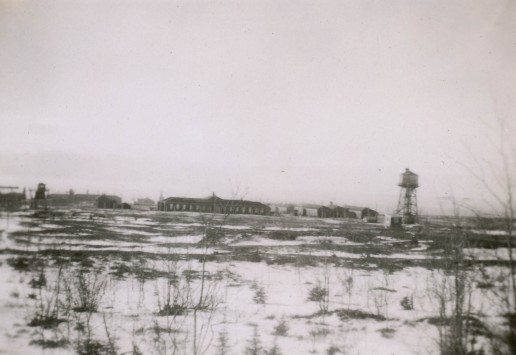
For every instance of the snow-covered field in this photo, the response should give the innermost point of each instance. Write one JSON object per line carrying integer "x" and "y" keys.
{"x": 297, "y": 285}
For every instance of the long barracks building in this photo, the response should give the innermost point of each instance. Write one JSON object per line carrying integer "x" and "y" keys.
{"x": 213, "y": 204}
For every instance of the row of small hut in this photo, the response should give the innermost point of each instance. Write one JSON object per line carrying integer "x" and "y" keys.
{"x": 325, "y": 211}
{"x": 211, "y": 204}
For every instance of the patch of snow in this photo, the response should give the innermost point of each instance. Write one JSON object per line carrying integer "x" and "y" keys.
{"x": 490, "y": 232}
{"x": 227, "y": 226}
{"x": 258, "y": 241}
{"x": 489, "y": 254}
{"x": 193, "y": 239}
{"x": 304, "y": 229}
{"x": 335, "y": 240}
{"x": 128, "y": 231}
{"x": 391, "y": 239}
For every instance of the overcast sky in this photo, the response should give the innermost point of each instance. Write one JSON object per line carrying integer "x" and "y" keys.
{"x": 281, "y": 100}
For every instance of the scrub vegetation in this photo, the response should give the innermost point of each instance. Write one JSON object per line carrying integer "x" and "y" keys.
{"x": 122, "y": 282}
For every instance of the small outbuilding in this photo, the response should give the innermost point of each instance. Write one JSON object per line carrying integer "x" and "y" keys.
{"x": 279, "y": 209}
{"x": 363, "y": 213}
{"x": 390, "y": 221}
{"x": 144, "y": 204}
{"x": 109, "y": 202}
{"x": 338, "y": 211}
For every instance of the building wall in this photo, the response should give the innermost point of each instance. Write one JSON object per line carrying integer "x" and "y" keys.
{"x": 110, "y": 202}
{"x": 278, "y": 210}
{"x": 72, "y": 200}
{"x": 324, "y": 212}
{"x": 367, "y": 212}
{"x": 213, "y": 206}
{"x": 339, "y": 212}
{"x": 354, "y": 213}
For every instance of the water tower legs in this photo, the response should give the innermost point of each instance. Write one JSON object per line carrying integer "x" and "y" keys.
{"x": 407, "y": 205}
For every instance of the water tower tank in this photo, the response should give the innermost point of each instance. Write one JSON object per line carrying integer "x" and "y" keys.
{"x": 408, "y": 179}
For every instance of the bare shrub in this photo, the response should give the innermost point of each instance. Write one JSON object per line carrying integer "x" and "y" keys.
{"x": 166, "y": 336}
{"x": 210, "y": 294}
{"x": 90, "y": 346}
{"x": 223, "y": 342}
{"x": 20, "y": 263}
{"x": 305, "y": 260}
{"x": 254, "y": 345}
{"x": 320, "y": 295}
{"x": 332, "y": 350}
{"x": 87, "y": 290}
{"x": 50, "y": 343}
{"x": 381, "y": 293}
{"x": 387, "y": 332}
{"x": 346, "y": 278}
{"x": 451, "y": 289}
{"x": 407, "y": 303}
{"x": 171, "y": 300}
{"x": 260, "y": 296}
{"x": 495, "y": 173}
{"x": 281, "y": 329}
{"x": 274, "y": 350}
{"x": 358, "y": 314}
{"x": 317, "y": 333}
{"x": 136, "y": 350}
{"x": 39, "y": 280}
{"x": 47, "y": 304}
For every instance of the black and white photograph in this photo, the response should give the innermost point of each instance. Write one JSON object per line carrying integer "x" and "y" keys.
{"x": 257, "y": 177}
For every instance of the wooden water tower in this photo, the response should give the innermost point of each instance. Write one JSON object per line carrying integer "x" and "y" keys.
{"x": 407, "y": 205}
{"x": 40, "y": 199}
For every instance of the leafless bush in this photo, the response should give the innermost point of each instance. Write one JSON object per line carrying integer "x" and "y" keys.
{"x": 254, "y": 345}
{"x": 39, "y": 280}
{"x": 407, "y": 303}
{"x": 48, "y": 312}
{"x": 166, "y": 336}
{"x": 47, "y": 304}
{"x": 53, "y": 343}
{"x": 317, "y": 333}
{"x": 319, "y": 294}
{"x": 281, "y": 329}
{"x": 260, "y": 296}
{"x": 332, "y": 350}
{"x": 223, "y": 342}
{"x": 210, "y": 295}
{"x": 91, "y": 346}
{"x": 346, "y": 278}
{"x": 496, "y": 176}
{"x": 451, "y": 288}
{"x": 87, "y": 290}
{"x": 274, "y": 350}
{"x": 173, "y": 295}
{"x": 346, "y": 314}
